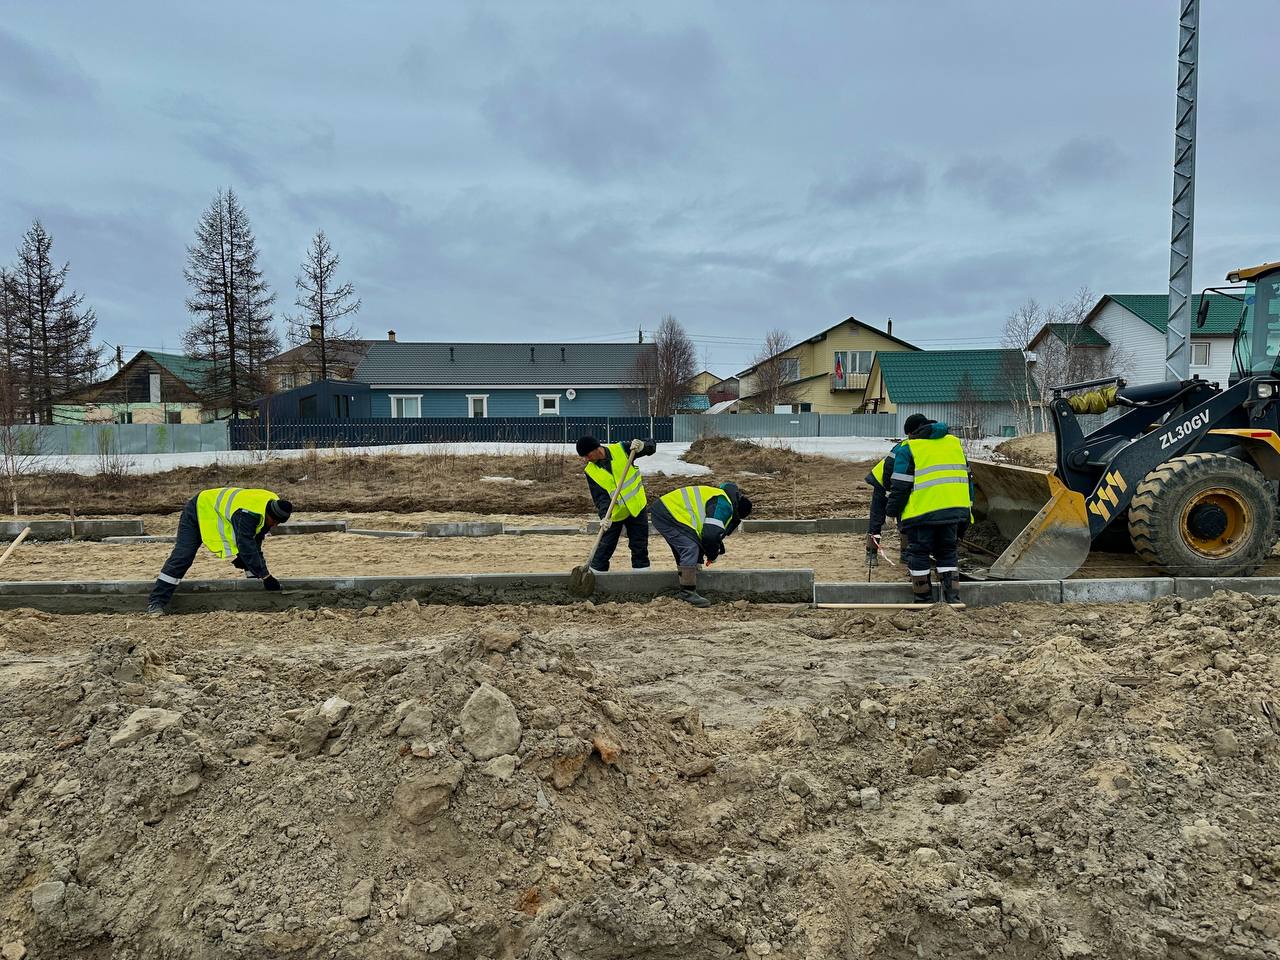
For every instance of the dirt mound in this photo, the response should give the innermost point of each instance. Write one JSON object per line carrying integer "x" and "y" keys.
{"x": 725, "y": 456}
{"x": 1031, "y": 450}
{"x": 1101, "y": 786}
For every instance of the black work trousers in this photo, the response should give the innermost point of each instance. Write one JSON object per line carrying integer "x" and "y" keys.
{"x": 180, "y": 560}
{"x": 637, "y": 528}
{"x": 928, "y": 544}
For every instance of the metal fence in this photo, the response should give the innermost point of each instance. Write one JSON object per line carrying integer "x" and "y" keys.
{"x": 109, "y": 439}
{"x": 688, "y": 428}
{"x": 295, "y": 434}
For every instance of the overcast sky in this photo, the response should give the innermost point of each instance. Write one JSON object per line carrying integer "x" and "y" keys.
{"x": 576, "y": 170}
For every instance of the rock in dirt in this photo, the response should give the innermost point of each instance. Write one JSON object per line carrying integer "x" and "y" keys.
{"x": 13, "y": 950}
{"x": 47, "y": 898}
{"x": 498, "y": 637}
{"x": 613, "y": 710}
{"x": 607, "y": 747}
{"x": 1225, "y": 743}
{"x": 312, "y": 735}
{"x": 183, "y": 784}
{"x": 425, "y": 902}
{"x": 925, "y": 762}
{"x": 500, "y": 768}
{"x": 490, "y": 726}
{"x": 334, "y": 710}
{"x": 427, "y": 795}
{"x": 142, "y": 723}
{"x": 359, "y": 902}
{"x": 870, "y": 798}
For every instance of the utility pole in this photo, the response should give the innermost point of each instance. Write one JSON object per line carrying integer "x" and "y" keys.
{"x": 1177, "y": 361}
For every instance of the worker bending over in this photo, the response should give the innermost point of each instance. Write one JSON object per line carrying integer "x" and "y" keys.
{"x": 606, "y": 469}
{"x": 231, "y": 522}
{"x": 694, "y": 521}
{"x": 931, "y": 492}
{"x": 878, "y": 478}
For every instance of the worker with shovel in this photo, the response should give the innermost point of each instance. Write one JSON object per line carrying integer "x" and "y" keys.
{"x": 931, "y": 492}
{"x": 878, "y": 478}
{"x": 607, "y": 467}
{"x": 231, "y": 522}
{"x": 695, "y": 521}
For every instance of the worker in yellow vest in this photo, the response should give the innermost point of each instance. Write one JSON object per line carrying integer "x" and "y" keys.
{"x": 231, "y": 522}
{"x": 695, "y": 521}
{"x": 931, "y": 494}
{"x": 606, "y": 469}
{"x": 878, "y": 478}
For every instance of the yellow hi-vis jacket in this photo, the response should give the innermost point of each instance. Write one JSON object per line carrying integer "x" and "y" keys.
{"x": 940, "y": 481}
{"x": 632, "y": 499}
{"x": 688, "y": 505}
{"x": 214, "y": 508}
{"x": 877, "y": 474}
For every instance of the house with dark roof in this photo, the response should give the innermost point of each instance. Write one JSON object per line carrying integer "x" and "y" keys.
{"x": 827, "y": 372}
{"x": 1130, "y": 329}
{"x": 316, "y": 360}
{"x": 153, "y": 387}
{"x": 977, "y": 392}
{"x": 504, "y": 379}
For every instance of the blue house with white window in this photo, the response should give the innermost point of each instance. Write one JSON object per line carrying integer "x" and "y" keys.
{"x": 410, "y": 380}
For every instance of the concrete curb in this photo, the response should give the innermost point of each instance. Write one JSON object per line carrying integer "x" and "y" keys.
{"x": 991, "y": 592}
{"x": 385, "y": 533}
{"x": 129, "y": 596}
{"x": 61, "y": 529}
{"x": 817, "y": 525}
{"x": 148, "y": 538}
{"x": 543, "y": 531}
{"x": 468, "y": 528}
{"x": 300, "y": 527}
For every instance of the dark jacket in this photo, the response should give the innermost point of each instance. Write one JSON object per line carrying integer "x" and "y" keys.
{"x": 599, "y": 496}
{"x": 879, "y": 496}
{"x": 726, "y": 511}
{"x": 903, "y": 481}
{"x": 249, "y": 542}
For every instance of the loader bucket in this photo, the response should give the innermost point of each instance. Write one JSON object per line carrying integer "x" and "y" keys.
{"x": 1046, "y": 523}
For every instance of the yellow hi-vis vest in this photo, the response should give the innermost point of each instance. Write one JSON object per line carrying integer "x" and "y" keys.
{"x": 214, "y": 508}
{"x": 632, "y": 499}
{"x": 688, "y": 505}
{"x": 878, "y": 472}
{"x": 941, "y": 480}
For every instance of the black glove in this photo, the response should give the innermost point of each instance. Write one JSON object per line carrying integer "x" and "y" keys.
{"x": 713, "y": 549}
{"x": 237, "y": 563}
{"x": 270, "y": 583}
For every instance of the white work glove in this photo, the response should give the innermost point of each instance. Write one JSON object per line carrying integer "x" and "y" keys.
{"x": 606, "y": 523}
{"x": 637, "y": 446}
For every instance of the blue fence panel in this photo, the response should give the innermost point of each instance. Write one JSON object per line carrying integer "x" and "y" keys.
{"x": 690, "y": 427}
{"x": 129, "y": 439}
{"x": 256, "y": 435}
{"x": 861, "y": 425}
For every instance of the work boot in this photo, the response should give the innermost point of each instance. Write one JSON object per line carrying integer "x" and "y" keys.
{"x": 921, "y": 589}
{"x": 694, "y": 598}
{"x": 156, "y": 610}
{"x": 950, "y": 594}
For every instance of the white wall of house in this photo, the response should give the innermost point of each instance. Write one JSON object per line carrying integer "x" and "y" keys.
{"x": 1140, "y": 348}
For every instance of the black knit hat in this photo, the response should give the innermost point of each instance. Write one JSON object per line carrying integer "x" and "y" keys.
{"x": 744, "y": 507}
{"x": 915, "y": 422}
{"x": 586, "y": 444}
{"x": 279, "y": 510}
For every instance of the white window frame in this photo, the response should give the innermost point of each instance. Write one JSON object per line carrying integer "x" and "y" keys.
{"x": 406, "y": 396}
{"x": 785, "y": 364}
{"x": 1208, "y": 352}
{"x": 471, "y": 415}
{"x": 543, "y": 411}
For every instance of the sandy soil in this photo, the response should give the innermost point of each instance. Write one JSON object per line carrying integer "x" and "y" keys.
{"x": 1033, "y": 450}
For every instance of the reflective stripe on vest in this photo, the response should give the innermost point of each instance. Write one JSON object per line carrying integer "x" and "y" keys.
{"x": 941, "y": 479}
{"x": 216, "y": 506}
{"x": 688, "y": 505}
{"x": 632, "y": 499}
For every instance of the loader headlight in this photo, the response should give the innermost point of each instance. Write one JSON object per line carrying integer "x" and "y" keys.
{"x": 1266, "y": 390}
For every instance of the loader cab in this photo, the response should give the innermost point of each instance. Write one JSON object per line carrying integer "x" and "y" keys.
{"x": 1257, "y": 345}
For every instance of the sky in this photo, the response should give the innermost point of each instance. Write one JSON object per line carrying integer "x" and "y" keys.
{"x": 575, "y": 171}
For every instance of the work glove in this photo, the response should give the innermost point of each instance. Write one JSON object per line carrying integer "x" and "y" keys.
{"x": 270, "y": 583}
{"x": 605, "y": 523}
{"x": 237, "y": 563}
{"x": 713, "y": 549}
{"x": 637, "y": 446}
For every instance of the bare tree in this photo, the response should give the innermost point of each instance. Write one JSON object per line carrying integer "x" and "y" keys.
{"x": 54, "y": 330}
{"x": 968, "y": 409}
{"x": 19, "y": 440}
{"x": 324, "y": 304}
{"x": 231, "y": 304}
{"x": 667, "y": 370}
{"x": 1020, "y": 328}
{"x": 773, "y": 376}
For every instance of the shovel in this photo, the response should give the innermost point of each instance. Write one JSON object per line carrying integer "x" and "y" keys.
{"x": 582, "y": 580}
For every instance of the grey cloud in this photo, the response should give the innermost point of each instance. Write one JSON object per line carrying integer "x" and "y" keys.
{"x": 30, "y": 72}
{"x": 881, "y": 182}
{"x": 608, "y": 102}
{"x": 1000, "y": 185}
{"x": 1085, "y": 160}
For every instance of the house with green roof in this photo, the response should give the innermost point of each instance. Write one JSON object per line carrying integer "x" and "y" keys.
{"x": 153, "y": 387}
{"x": 1129, "y": 330}
{"x": 977, "y": 392}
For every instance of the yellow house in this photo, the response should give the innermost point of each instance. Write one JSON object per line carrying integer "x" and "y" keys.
{"x": 703, "y": 382}
{"x": 826, "y": 373}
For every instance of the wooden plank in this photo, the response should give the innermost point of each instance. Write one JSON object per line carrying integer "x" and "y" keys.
{"x": 883, "y": 606}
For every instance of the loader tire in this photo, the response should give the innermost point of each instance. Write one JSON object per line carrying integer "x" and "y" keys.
{"x": 1204, "y": 515}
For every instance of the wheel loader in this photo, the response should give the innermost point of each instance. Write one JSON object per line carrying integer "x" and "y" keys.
{"x": 1186, "y": 473}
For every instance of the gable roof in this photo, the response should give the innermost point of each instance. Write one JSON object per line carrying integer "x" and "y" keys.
{"x": 508, "y": 364}
{"x": 822, "y": 335}
{"x": 190, "y": 370}
{"x": 936, "y": 376}
{"x": 1074, "y": 334}
{"x": 1153, "y": 309}
{"x": 341, "y": 352}
{"x": 694, "y": 403}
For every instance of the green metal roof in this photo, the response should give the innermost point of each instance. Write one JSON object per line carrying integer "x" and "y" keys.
{"x": 189, "y": 370}
{"x": 1077, "y": 334}
{"x": 1153, "y": 309}
{"x": 936, "y": 376}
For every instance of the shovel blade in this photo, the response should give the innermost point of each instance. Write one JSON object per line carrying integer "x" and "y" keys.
{"x": 582, "y": 581}
{"x": 1054, "y": 544}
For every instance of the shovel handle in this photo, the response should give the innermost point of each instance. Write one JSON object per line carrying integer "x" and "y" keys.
{"x": 14, "y": 546}
{"x": 608, "y": 513}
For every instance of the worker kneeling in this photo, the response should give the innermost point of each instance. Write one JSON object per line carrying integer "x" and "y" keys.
{"x": 931, "y": 493}
{"x": 231, "y": 522}
{"x": 695, "y": 521}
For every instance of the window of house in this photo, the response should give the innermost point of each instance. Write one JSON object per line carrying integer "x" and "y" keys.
{"x": 477, "y": 405}
{"x": 549, "y": 404}
{"x": 804, "y": 408}
{"x": 1200, "y": 353}
{"x": 124, "y": 416}
{"x": 173, "y": 416}
{"x": 406, "y": 405}
{"x": 860, "y": 361}
{"x": 341, "y": 406}
{"x": 790, "y": 369}
{"x": 288, "y": 381}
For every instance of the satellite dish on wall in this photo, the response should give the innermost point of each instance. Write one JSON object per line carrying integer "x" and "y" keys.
{"x": 571, "y": 393}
